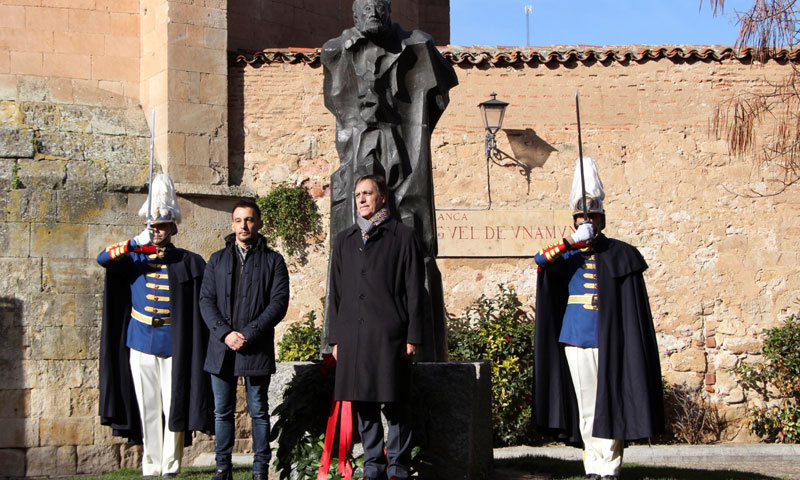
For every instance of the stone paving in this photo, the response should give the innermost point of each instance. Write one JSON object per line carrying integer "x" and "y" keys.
{"x": 778, "y": 461}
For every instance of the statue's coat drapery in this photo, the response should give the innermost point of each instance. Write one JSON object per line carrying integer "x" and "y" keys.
{"x": 387, "y": 95}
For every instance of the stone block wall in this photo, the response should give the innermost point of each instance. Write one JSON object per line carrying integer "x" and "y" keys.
{"x": 722, "y": 264}
{"x": 73, "y": 172}
{"x": 255, "y": 26}
{"x": 85, "y": 43}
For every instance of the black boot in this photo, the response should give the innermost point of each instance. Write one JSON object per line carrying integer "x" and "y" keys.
{"x": 223, "y": 474}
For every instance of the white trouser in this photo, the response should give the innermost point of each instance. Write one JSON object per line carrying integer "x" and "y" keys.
{"x": 601, "y": 456}
{"x": 152, "y": 380}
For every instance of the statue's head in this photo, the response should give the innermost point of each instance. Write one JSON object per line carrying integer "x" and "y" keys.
{"x": 372, "y": 17}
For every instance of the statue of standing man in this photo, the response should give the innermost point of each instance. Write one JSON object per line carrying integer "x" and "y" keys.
{"x": 387, "y": 89}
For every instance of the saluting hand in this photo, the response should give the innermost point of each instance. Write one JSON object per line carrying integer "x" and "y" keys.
{"x": 144, "y": 238}
{"x": 584, "y": 233}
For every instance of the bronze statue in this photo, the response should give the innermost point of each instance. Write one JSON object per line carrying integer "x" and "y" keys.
{"x": 387, "y": 88}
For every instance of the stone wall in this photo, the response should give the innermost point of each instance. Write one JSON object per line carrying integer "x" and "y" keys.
{"x": 722, "y": 264}
{"x": 83, "y": 43}
{"x": 73, "y": 171}
{"x": 255, "y": 26}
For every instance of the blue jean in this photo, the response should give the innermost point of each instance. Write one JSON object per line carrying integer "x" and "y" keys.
{"x": 224, "y": 388}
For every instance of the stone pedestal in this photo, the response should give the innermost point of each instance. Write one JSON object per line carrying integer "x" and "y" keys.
{"x": 452, "y": 416}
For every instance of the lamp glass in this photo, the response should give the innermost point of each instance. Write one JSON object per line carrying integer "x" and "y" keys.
{"x": 493, "y": 112}
{"x": 493, "y": 117}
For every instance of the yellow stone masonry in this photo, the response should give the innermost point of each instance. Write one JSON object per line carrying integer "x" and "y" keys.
{"x": 722, "y": 264}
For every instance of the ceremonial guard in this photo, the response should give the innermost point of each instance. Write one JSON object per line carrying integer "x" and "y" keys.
{"x": 153, "y": 339}
{"x": 597, "y": 370}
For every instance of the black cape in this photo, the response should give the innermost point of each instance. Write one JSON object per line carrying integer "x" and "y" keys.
{"x": 630, "y": 402}
{"x": 192, "y": 405}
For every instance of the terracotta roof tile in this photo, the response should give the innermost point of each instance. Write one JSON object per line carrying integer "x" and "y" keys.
{"x": 501, "y": 56}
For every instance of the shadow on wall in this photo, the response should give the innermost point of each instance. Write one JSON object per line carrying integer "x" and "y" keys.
{"x": 529, "y": 148}
{"x": 236, "y": 131}
{"x": 14, "y": 399}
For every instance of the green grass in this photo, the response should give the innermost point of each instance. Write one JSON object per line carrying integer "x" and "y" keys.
{"x": 192, "y": 473}
{"x": 573, "y": 470}
{"x": 547, "y": 467}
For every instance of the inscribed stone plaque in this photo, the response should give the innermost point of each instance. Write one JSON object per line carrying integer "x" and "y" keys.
{"x": 499, "y": 233}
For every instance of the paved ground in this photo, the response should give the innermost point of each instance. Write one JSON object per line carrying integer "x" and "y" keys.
{"x": 780, "y": 461}
{"x": 777, "y": 461}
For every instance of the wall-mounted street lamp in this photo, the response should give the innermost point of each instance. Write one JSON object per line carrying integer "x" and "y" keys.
{"x": 492, "y": 111}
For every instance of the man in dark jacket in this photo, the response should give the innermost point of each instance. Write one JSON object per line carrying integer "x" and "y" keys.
{"x": 598, "y": 376}
{"x": 376, "y": 325}
{"x": 245, "y": 294}
{"x": 153, "y": 339}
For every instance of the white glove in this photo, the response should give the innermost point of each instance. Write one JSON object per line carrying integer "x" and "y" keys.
{"x": 144, "y": 238}
{"x": 584, "y": 233}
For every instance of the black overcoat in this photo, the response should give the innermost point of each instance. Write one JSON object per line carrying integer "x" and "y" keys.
{"x": 630, "y": 402}
{"x": 267, "y": 281}
{"x": 192, "y": 404}
{"x": 377, "y": 294}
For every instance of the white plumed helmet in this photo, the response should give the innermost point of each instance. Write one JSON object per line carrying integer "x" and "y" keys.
{"x": 163, "y": 202}
{"x": 594, "y": 188}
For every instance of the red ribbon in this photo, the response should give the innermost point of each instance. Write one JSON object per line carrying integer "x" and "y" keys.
{"x": 341, "y": 413}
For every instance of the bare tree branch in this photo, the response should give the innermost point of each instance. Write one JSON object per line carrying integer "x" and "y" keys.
{"x": 766, "y": 27}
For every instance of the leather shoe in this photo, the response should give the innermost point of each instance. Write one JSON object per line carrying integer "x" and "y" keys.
{"x": 592, "y": 476}
{"x": 259, "y": 476}
{"x": 609, "y": 477}
{"x": 222, "y": 475}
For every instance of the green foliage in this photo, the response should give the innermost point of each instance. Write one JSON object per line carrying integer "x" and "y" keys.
{"x": 290, "y": 214}
{"x": 777, "y": 380}
{"x": 301, "y": 343}
{"x": 498, "y": 329}
{"x": 37, "y": 145}
{"x": 15, "y": 177}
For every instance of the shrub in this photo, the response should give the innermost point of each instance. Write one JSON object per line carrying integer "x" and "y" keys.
{"x": 301, "y": 342}
{"x": 690, "y": 417}
{"x": 289, "y": 213}
{"x": 498, "y": 329}
{"x": 777, "y": 381}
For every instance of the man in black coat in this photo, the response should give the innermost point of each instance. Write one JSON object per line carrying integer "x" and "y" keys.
{"x": 376, "y": 325}
{"x": 245, "y": 294}
{"x": 597, "y": 369}
{"x": 153, "y": 339}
